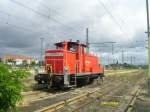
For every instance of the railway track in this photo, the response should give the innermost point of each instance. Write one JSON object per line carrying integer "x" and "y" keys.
{"x": 76, "y": 99}
{"x": 132, "y": 101}
{"x": 47, "y": 100}
{"x": 32, "y": 96}
{"x": 45, "y": 92}
{"x": 63, "y": 98}
{"x": 91, "y": 96}
{"x": 108, "y": 102}
{"x": 95, "y": 94}
{"x": 116, "y": 101}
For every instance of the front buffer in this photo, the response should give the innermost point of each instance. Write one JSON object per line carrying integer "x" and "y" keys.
{"x": 51, "y": 81}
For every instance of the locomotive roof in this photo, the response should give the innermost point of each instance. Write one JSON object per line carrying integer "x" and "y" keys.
{"x": 73, "y": 43}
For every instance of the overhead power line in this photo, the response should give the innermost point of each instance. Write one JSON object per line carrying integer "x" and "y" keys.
{"x": 16, "y": 26}
{"x": 24, "y": 28}
{"x": 111, "y": 15}
{"x": 103, "y": 43}
{"x": 114, "y": 19}
{"x": 41, "y": 14}
{"x": 16, "y": 17}
{"x": 51, "y": 11}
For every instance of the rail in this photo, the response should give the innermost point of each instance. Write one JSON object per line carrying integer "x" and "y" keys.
{"x": 129, "y": 107}
{"x": 61, "y": 104}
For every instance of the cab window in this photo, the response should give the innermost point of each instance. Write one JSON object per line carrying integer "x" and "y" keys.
{"x": 60, "y": 46}
{"x": 72, "y": 47}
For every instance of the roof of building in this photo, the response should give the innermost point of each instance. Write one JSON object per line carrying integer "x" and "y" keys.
{"x": 17, "y": 57}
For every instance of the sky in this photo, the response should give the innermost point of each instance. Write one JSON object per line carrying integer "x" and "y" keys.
{"x": 24, "y": 22}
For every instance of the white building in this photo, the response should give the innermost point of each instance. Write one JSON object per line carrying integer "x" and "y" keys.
{"x": 17, "y": 60}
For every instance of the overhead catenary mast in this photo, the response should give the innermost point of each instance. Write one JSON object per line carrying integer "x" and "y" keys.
{"x": 147, "y": 9}
{"x": 41, "y": 58}
{"x": 87, "y": 39}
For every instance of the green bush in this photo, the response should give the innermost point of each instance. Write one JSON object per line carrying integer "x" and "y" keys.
{"x": 10, "y": 87}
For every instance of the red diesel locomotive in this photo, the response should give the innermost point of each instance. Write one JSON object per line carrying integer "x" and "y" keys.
{"x": 69, "y": 65}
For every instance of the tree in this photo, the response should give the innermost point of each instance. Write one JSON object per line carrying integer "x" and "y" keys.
{"x": 10, "y": 87}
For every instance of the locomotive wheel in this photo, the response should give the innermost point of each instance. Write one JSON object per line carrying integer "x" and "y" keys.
{"x": 87, "y": 80}
{"x": 91, "y": 80}
{"x": 39, "y": 82}
{"x": 79, "y": 83}
{"x": 83, "y": 81}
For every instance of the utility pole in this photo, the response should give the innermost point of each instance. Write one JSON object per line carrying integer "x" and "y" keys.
{"x": 41, "y": 58}
{"x": 131, "y": 60}
{"x": 108, "y": 60}
{"x": 122, "y": 57}
{"x": 147, "y": 9}
{"x": 87, "y": 39}
{"x": 134, "y": 60}
{"x": 112, "y": 48}
{"x": 47, "y": 46}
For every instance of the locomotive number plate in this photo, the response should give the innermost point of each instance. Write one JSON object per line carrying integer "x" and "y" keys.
{"x": 54, "y": 54}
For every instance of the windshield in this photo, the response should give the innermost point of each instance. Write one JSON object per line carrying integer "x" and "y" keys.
{"x": 72, "y": 47}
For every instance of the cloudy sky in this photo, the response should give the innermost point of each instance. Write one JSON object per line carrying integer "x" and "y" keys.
{"x": 24, "y": 22}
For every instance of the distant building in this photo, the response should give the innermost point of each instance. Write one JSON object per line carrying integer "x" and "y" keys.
{"x": 17, "y": 60}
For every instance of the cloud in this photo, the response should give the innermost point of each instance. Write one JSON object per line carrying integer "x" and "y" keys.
{"x": 22, "y": 27}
